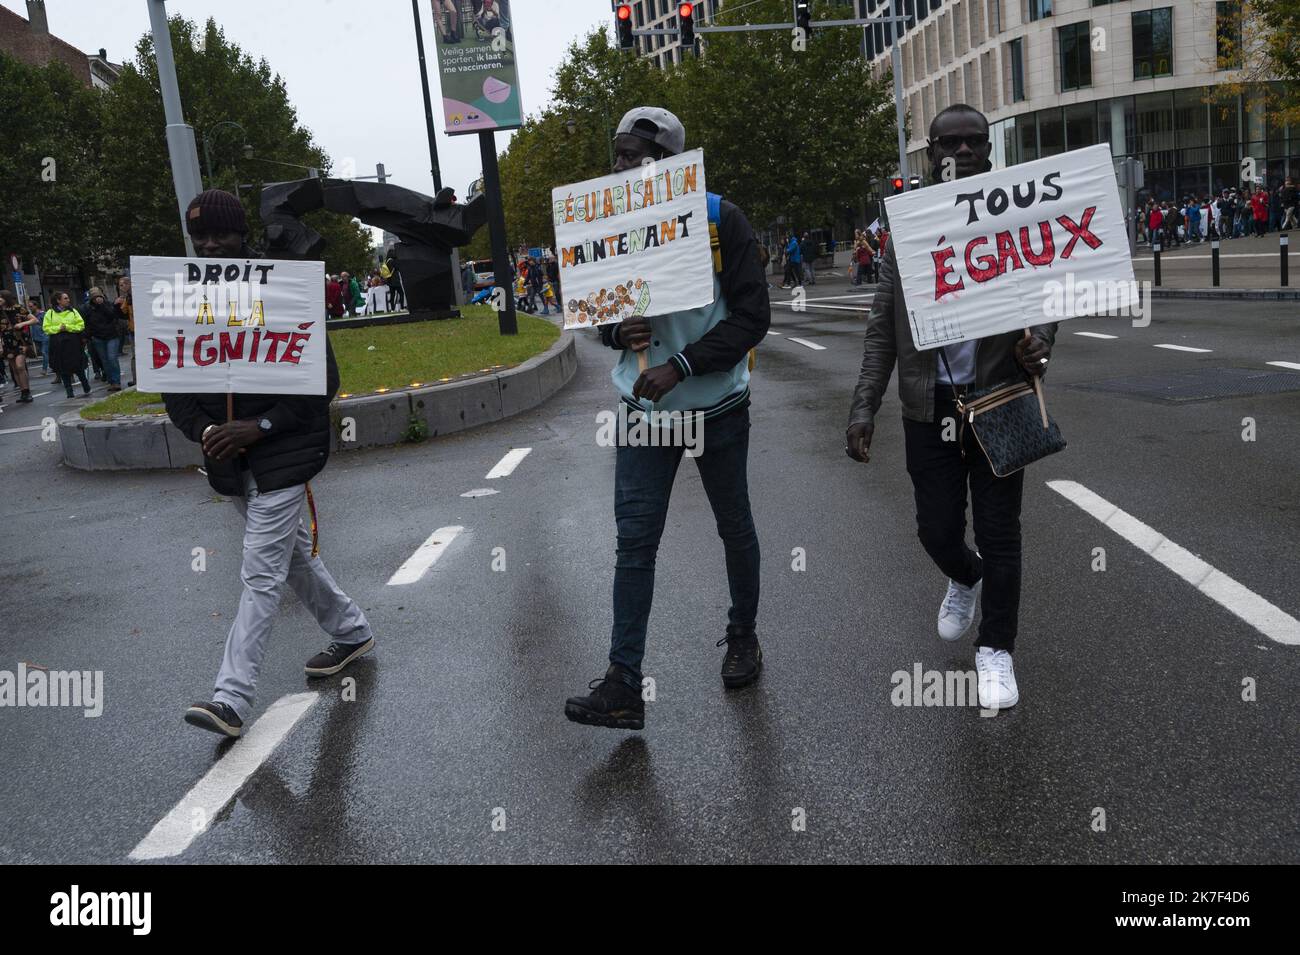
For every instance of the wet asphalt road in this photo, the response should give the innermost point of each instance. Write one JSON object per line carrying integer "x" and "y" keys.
{"x": 1130, "y": 679}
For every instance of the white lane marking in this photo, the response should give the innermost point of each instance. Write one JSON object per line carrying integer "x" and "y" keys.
{"x": 41, "y": 394}
{"x": 425, "y": 556}
{"x": 1185, "y": 348}
{"x": 1095, "y": 335}
{"x": 1268, "y": 619}
{"x": 1285, "y": 364}
{"x": 777, "y": 334}
{"x": 807, "y": 344}
{"x": 481, "y": 492}
{"x": 192, "y": 815}
{"x": 506, "y": 465}
{"x": 833, "y": 298}
{"x": 35, "y": 427}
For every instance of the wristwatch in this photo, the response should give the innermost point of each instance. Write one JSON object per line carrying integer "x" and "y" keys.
{"x": 265, "y": 425}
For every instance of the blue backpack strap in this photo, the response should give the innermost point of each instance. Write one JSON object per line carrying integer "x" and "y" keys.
{"x": 715, "y": 215}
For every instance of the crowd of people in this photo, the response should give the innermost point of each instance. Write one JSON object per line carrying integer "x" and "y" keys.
{"x": 1233, "y": 214}
{"x": 345, "y": 294}
{"x": 68, "y": 341}
{"x": 800, "y": 253}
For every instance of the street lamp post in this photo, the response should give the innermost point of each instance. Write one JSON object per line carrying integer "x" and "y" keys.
{"x": 207, "y": 148}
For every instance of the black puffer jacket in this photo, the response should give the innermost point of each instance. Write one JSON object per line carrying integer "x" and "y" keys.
{"x": 101, "y": 320}
{"x": 294, "y": 451}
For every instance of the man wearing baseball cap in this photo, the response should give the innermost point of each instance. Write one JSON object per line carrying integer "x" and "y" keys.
{"x": 262, "y": 459}
{"x": 698, "y": 365}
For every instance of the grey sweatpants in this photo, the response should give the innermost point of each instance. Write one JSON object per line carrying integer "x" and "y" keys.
{"x": 277, "y": 547}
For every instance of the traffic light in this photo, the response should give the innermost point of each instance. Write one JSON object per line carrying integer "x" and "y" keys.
{"x": 898, "y": 184}
{"x": 686, "y": 23}
{"x": 914, "y": 182}
{"x": 803, "y": 16}
{"x": 624, "y": 21}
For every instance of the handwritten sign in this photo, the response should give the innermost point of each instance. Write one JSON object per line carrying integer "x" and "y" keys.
{"x": 634, "y": 243}
{"x": 255, "y": 326}
{"x": 990, "y": 253}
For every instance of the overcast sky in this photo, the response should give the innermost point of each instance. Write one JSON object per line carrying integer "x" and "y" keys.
{"x": 350, "y": 66}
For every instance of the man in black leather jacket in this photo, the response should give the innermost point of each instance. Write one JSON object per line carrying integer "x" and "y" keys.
{"x": 941, "y": 467}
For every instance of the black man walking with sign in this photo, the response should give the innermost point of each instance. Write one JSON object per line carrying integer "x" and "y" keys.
{"x": 671, "y": 275}
{"x": 980, "y": 267}
{"x": 237, "y": 345}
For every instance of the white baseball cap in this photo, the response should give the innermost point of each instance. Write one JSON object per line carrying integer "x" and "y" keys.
{"x": 655, "y": 125}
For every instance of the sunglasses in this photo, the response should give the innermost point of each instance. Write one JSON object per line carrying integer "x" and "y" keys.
{"x": 953, "y": 143}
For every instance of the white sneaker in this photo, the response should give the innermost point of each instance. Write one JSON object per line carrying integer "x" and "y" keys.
{"x": 997, "y": 679}
{"x": 958, "y": 609}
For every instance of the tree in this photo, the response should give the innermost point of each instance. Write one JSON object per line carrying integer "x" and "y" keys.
{"x": 219, "y": 83}
{"x": 1257, "y": 40}
{"x": 50, "y": 187}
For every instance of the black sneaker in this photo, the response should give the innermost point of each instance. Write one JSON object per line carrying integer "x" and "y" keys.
{"x": 336, "y": 656}
{"x": 744, "y": 660}
{"x": 216, "y": 717}
{"x": 25, "y": 398}
{"x": 614, "y": 701}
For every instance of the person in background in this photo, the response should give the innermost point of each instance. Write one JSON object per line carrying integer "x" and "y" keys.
{"x": 1259, "y": 210}
{"x": 105, "y": 336}
{"x": 793, "y": 263}
{"x": 333, "y": 297}
{"x": 1289, "y": 196}
{"x": 553, "y": 276}
{"x": 808, "y": 252}
{"x": 123, "y": 305}
{"x": 15, "y": 320}
{"x": 467, "y": 279}
{"x": 64, "y": 326}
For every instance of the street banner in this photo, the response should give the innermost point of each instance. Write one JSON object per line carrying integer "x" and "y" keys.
{"x": 634, "y": 243}
{"x": 476, "y": 64}
{"x": 991, "y": 253}
{"x": 254, "y": 326}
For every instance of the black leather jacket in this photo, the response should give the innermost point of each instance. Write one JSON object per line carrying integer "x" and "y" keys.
{"x": 888, "y": 340}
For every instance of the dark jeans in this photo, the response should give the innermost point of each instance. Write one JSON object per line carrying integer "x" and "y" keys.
{"x": 940, "y": 476}
{"x": 643, "y": 482}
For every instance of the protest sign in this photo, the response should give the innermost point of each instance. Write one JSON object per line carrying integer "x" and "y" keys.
{"x": 255, "y": 326}
{"x": 991, "y": 253}
{"x": 634, "y": 243}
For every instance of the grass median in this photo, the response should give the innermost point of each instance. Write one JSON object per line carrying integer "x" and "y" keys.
{"x": 391, "y": 357}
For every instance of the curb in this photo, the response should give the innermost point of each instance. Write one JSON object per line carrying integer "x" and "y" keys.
{"x": 368, "y": 421}
{"x": 1246, "y": 294}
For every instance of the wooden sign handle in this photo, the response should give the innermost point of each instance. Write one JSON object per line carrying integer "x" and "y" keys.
{"x": 643, "y": 360}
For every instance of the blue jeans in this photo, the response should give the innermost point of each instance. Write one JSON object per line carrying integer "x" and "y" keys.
{"x": 643, "y": 482}
{"x": 108, "y": 349}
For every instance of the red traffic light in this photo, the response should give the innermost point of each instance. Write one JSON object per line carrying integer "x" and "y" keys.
{"x": 685, "y": 9}
{"x": 686, "y": 24}
{"x": 898, "y": 184}
{"x": 624, "y": 24}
